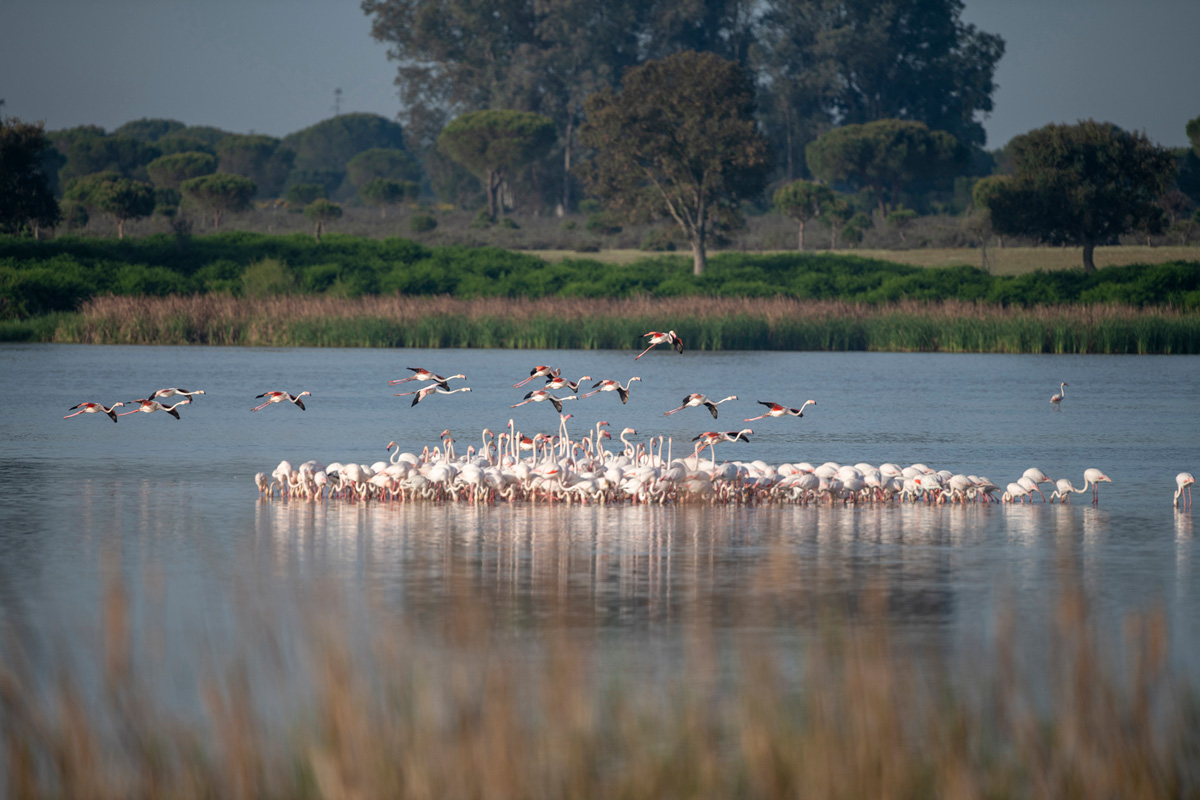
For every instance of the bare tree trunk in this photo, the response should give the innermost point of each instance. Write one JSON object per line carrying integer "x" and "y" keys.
{"x": 566, "y": 194}
{"x": 493, "y": 187}
{"x": 1089, "y": 249}
{"x": 120, "y": 228}
{"x": 801, "y": 247}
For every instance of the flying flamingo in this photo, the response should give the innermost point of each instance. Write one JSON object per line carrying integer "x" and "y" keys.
{"x": 693, "y": 400}
{"x": 709, "y": 439}
{"x": 1056, "y": 399}
{"x": 540, "y": 371}
{"x": 1092, "y": 477}
{"x": 556, "y": 382}
{"x": 279, "y": 397}
{"x": 540, "y": 395}
{"x": 776, "y": 410}
{"x": 150, "y": 406}
{"x": 420, "y": 374}
{"x": 657, "y": 338}
{"x": 173, "y": 392}
{"x": 1184, "y": 480}
{"x": 612, "y": 386}
{"x": 93, "y": 408}
{"x": 433, "y": 388}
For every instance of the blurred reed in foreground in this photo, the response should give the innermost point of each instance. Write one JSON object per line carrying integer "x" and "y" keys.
{"x": 705, "y": 323}
{"x": 466, "y": 713}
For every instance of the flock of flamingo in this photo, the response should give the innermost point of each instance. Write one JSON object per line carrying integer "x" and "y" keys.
{"x": 561, "y": 469}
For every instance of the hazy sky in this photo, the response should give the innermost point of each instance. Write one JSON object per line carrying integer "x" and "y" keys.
{"x": 272, "y": 66}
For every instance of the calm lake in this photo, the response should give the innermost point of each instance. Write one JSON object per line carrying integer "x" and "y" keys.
{"x": 169, "y": 508}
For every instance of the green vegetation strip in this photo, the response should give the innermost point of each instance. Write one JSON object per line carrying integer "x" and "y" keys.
{"x": 557, "y": 323}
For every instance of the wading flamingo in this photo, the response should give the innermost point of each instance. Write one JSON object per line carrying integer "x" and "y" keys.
{"x": 1062, "y": 390}
{"x": 93, "y": 408}
{"x": 1184, "y": 481}
{"x": 776, "y": 410}
{"x": 1091, "y": 477}
{"x": 657, "y": 338}
{"x": 693, "y": 400}
{"x": 279, "y": 397}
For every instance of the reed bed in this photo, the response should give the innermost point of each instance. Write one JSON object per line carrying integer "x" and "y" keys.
{"x": 459, "y": 711}
{"x": 705, "y": 323}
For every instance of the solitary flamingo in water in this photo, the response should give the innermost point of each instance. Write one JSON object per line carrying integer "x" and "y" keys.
{"x": 93, "y": 408}
{"x": 693, "y": 400}
{"x": 433, "y": 388}
{"x": 776, "y": 410}
{"x": 613, "y": 386}
{"x": 657, "y": 338}
{"x": 172, "y": 392}
{"x": 541, "y": 395}
{"x": 279, "y": 397}
{"x": 1056, "y": 399}
{"x": 1184, "y": 480}
{"x": 150, "y": 406}
{"x": 420, "y": 374}
{"x": 540, "y": 371}
{"x": 1092, "y": 477}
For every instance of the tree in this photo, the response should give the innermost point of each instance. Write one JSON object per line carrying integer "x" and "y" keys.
{"x": 220, "y": 192}
{"x": 836, "y": 215}
{"x": 885, "y": 155}
{"x": 149, "y": 130}
{"x": 321, "y": 212}
{"x": 89, "y": 150}
{"x": 26, "y": 197}
{"x": 802, "y": 201}
{"x": 262, "y": 159}
{"x": 495, "y": 144}
{"x": 331, "y": 143}
{"x": 301, "y": 194}
{"x": 171, "y": 171}
{"x": 382, "y": 162}
{"x": 678, "y": 141}
{"x": 383, "y": 193}
{"x": 981, "y": 218}
{"x": 116, "y": 196}
{"x": 1081, "y": 184}
{"x": 900, "y": 219}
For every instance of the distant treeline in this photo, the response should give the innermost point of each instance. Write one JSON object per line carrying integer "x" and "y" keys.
{"x": 38, "y": 278}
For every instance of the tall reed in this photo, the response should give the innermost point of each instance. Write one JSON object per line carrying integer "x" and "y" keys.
{"x": 705, "y": 323}
{"x": 454, "y": 711}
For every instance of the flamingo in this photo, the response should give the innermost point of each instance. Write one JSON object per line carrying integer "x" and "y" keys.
{"x": 93, "y": 408}
{"x": 540, "y": 371}
{"x": 1184, "y": 481}
{"x": 693, "y": 400}
{"x": 776, "y": 410}
{"x": 279, "y": 397}
{"x": 541, "y": 395}
{"x": 433, "y": 388}
{"x": 657, "y": 338}
{"x": 420, "y": 374}
{"x": 556, "y": 382}
{"x": 613, "y": 386}
{"x": 709, "y": 439}
{"x": 1063, "y": 489}
{"x": 1062, "y": 390}
{"x": 173, "y": 392}
{"x": 1093, "y": 476}
{"x": 1037, "y": 476}
{"x": 150, "y": 406}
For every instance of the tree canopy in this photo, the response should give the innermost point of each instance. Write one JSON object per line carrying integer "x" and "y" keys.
{"x": 885, "y": 155}
{"x": 492, "y": 145}
{"x": 679, "y": 141}
{"x": 262, "y": 159}
{"x": 331, "y": 143}
{"x": 110, "y": 193}
{"x": 382, "y": 162}
{"x": 220, "y": 192}
{"x": 149, "y": 130}
{"x": 321, "y": 212}
{"x": 803, "y": 201}
{"x": 1081, "y": 184}
{"x": 170, "y": 171}
{"x": 26, "y": 196}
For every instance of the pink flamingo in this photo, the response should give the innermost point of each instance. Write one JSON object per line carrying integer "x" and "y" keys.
{"x": 1184, "y": 480}
{"x": 612, "y": 386}
{"x": 657, "y": 338}
{"x": 420, "y": 374}
{"x": 693, "y": 400}
{"x": 433, "y": 388}
{"x": 776, "y": 410}
{"x": 557, "y": 382}
{"x": 279, "y": 397}
{"x": 150, "y": 406}
{"x": 541, "y": 395}
{"x": 164, "y": 393}
{"x": 1056, "y": 399}
{"x": 93, "y": 408}
{"x": 540, "y": 371}
{"x": 1092, "y": 477}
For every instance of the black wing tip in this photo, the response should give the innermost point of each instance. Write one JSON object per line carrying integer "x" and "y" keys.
{"x": 173, "y": 413}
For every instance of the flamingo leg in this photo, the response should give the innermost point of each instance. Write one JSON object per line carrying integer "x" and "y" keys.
{"x": 647, "y": 350}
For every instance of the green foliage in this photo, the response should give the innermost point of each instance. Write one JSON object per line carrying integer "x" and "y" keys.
{"x": 383, "y": 192}
{"x": 679, "y": 141}
{"x": 495, "y": 144}
{"x": 422, "y": 223}
{"x": 267, "y": 277}
{"x": 301, "y": 194}
{"x": 89, "y": 150}
{"x": 26, "y": 197}
{"x": 262, "y": 159}
{"x": 220, "y": 192}
{"x": 150, "y": 130}
{"x": 118, "y": 197}
{"x": 332, "y": 143}
{"x": 321, "y": 212}
{"x": 172, "y": 170}
{"x": 802, "y": 201}
{"x": 382, "y": 163}
{"x": 1082, "y": 184}
{"x": 885, "y": 155}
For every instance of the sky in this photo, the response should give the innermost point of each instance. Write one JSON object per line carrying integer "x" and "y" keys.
{"x": 274, "y": 66}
